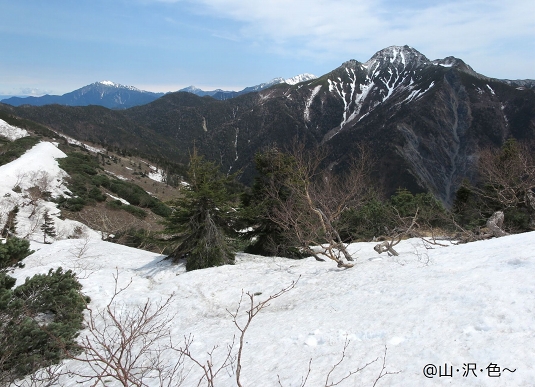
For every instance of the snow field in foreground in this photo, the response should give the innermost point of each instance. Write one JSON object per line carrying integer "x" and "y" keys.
{"x": 471, "y": 303}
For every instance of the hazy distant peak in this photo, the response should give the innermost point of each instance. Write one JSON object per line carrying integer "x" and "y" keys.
{"x": 190, "y": 89}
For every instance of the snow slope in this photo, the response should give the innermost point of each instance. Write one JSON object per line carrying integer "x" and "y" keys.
{"x": 472, "y": 303}
{"x": 38, "y": 167}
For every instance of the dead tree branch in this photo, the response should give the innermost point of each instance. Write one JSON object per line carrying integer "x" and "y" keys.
{"x": 383, "y": 372}
{"x": 388, "y": 245}
{"x": 130, "y": 344}
{"x": 251, "y": 312}
{"x": 349, "y": 373}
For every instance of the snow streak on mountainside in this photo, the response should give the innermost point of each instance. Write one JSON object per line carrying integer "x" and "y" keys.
{"x": 392, "y": 73}
{"x": 309, "y": 102}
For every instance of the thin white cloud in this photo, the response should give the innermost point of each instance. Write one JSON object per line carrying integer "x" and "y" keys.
{"x": 347, "y": 28}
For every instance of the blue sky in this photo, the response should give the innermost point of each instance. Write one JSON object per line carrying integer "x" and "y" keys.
{"x": 56, "y": 46}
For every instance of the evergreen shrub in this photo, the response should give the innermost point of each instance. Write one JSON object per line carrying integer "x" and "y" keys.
{"x": 39, "y": 321}
{"x": 13, "y": 251}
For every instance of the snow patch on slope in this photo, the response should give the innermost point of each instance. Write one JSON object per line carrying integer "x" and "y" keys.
{"x": 24, "y": 183}
{"x": 39, "y": 159}
{"x": 123, "y": 201}
{"x": 10, "y": 132}
{"x": 72, "y": 141}
{"x": 417, "y": 94}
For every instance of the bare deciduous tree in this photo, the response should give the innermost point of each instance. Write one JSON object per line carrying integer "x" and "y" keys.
{"x": 82, "y": 263}
{"x": 331, "y": 381}
{"x": 107, "y": 222}
{"x": 43, "y": 377}
{"x": 210, "y": 367}
{"x": 130, "y": 344}
{"x": 313, "y": 200}
{"x": 508, "y": 177}
{"x": 251, "y": 312}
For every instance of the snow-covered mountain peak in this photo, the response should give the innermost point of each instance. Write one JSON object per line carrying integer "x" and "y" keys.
{"x": 107, "y": 83}
{"x": 404, "y": 56}
{"x": 116, "y": 86}
{"x": 191, "y": 89}
{"x": 290, "y": 81}
{"x": 391, "y": 73}
{"x": 274, "y": 81}
{"x": 300, "y": 78}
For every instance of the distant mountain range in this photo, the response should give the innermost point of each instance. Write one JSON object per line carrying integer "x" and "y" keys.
{"x": 223, "y": 94}
{"x": 423, "y": 120}
{"x": 116, "y": 96}
{"x": 105, "y": 93}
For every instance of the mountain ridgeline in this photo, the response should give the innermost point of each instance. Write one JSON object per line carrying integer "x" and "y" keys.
{"x": 105, "y": 93}
{"x": 424, "y": 121}
{"x": 116, "y": 96}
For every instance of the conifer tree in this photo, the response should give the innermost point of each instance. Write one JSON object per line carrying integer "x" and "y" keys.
{"x": 203, "y": 217}
{"x": 13, "y": 251}
{"x": 48, "y": 227}
{"x": 276, "y": 173}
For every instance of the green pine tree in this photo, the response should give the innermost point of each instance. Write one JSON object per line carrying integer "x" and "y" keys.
{"x": 203, "y": 217}
{"x": 276, "y": 172}
{"x": 13, "y": 251}
{"x": 48, "y": 227}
